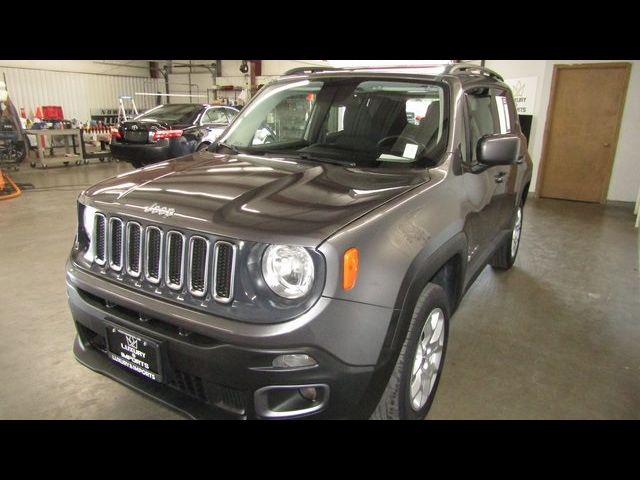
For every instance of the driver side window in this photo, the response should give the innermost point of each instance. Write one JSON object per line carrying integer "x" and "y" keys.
{"x": 287, "y": 121}
{"x": 488, "y": 114}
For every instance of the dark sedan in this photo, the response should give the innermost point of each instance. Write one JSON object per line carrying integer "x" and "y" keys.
{"x": 169, "y": 131}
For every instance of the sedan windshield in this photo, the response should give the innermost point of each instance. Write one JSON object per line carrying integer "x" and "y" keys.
{"x": 363, "y": 122}
{"x": 176, "y": 113}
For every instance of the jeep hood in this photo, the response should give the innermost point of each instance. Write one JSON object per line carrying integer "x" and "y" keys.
{"x": 266, "y": 199}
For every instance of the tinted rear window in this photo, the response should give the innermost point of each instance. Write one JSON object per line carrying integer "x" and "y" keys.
{"x": 178, "y": 113}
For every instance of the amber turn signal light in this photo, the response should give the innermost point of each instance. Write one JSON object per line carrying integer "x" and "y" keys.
{"x": 350, "y": 268}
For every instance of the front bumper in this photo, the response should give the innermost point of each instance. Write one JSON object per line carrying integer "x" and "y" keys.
{"x": 209, "y": 374}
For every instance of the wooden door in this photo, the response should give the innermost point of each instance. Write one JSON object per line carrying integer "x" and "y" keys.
{"x": 581, "y": 133}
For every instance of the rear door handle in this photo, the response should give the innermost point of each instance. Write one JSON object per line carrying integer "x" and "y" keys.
{"x": 500, "y": 177}
{"x": 520, "y": 160}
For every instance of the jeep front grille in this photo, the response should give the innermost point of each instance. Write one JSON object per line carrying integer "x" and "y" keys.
{"x": 134, "y": 249}
{"x": 185, "y": 263}
{"x": 175, "y": 260}
{"x": 154, "y": 254}
{"x": 198, "y": 262}
{"x": 100, "y": 239}
{"x": 116, "y": 243}
{"x": 225, "y": 261}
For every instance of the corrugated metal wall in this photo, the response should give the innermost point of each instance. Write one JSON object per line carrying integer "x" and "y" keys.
{"x": 77, "y": 93}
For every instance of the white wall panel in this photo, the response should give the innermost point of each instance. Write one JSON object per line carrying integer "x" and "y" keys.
{"x": 625, "y": 175}
{"x": 77, "y": 93}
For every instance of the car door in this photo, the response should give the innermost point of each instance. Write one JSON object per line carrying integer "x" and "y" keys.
{"x": 490, "y": 190}
{"x": 213, "y": 123}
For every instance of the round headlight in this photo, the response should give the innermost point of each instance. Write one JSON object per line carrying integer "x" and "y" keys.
{"x": 288, "y": 270}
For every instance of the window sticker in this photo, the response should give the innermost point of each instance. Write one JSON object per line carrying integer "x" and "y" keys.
{"x": 410, "y": 150}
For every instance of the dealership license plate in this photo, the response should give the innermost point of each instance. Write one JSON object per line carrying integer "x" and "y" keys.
{"x": 134, "y": 351}
{"x": 136, "y": 137}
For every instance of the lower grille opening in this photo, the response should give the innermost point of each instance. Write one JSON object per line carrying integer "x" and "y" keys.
{"x": 92, "y": 338}
{"x": 191, "y": 385}
{"x": 212, "y": 394}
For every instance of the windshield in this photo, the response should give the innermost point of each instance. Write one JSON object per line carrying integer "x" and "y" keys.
{"x": 176, "y": 113}
{"x": 363, "y": 122}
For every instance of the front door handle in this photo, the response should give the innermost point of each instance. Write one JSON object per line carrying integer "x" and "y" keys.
{"x": 499, "y": 177}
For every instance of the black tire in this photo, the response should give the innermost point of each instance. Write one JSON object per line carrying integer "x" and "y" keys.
{"x": 505, "y": 257}
{"x": 203, "y": 146}
{"x": 137, "y": 163}
{"x": 395, "y": 403}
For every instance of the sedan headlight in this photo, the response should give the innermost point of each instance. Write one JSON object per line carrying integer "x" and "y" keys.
{"x": 288, "y": 270}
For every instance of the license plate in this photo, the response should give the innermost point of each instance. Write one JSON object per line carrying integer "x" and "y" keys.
{"x": 137, "y": 137}
{"x": 134, "y": 351}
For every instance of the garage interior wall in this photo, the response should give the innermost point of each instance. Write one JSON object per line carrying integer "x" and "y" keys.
{"x": 77, "y": 93}
{"x": 625, "y": 176}
{"x": 230, "y": 74}
{"x": 81, "y": 85}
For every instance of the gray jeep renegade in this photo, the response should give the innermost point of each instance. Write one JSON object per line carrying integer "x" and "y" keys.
{"x": 307, "y": 264}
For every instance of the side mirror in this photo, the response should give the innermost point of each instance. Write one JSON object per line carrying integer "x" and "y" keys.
{"x": 498, "y": 149}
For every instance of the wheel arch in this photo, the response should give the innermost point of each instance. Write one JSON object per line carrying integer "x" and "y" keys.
{"x": 445, "y": 267}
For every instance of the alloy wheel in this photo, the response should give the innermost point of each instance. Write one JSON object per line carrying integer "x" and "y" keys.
{"x": 428, "y": 356}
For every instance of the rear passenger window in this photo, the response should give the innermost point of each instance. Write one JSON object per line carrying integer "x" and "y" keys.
{"x": 489, "y": 114}
{"x": 215, "y": 115}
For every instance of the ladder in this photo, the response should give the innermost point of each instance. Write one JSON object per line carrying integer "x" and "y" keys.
{"x": 122, "y": 111}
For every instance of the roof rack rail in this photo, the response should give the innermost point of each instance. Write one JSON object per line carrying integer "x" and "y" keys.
{"x": 472, "y": 69}
{"x": 314, "y": 69}
{"x": 310, "y": 69}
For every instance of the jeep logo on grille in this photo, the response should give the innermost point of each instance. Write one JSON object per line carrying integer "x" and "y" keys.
{"x": 156, "y": 209}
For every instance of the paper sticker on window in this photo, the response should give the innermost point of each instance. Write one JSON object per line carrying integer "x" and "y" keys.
{"x": 410, "y": 150}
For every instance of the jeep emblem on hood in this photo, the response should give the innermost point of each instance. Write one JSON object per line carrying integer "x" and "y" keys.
{"x": 156, "y": 209}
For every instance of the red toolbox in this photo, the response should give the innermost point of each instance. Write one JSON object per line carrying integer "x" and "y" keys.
{"x": 52, "y": 112}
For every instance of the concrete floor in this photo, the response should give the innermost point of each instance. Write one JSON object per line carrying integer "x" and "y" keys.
{"x": 554, "y": 338}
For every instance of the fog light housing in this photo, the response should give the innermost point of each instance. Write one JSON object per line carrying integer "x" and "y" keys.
{"x": 294, "y": 360}
{"x": 310, "y": 393}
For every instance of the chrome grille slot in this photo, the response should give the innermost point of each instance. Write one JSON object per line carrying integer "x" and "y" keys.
{"x": 100, "y": 239}
{"x": 153, "y": 263}
{"x": 174, "y": 260}
{"x": 198, "y": 263}
{"x": 134, "y": 249}
{"x": 224, "y": 273}
{"x": 116, "y": 243}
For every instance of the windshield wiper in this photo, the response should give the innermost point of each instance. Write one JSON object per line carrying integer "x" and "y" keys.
{"x": 335, "y": 161}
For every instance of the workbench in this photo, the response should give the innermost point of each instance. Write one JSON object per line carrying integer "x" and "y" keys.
{"x": 67, "y": 133}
